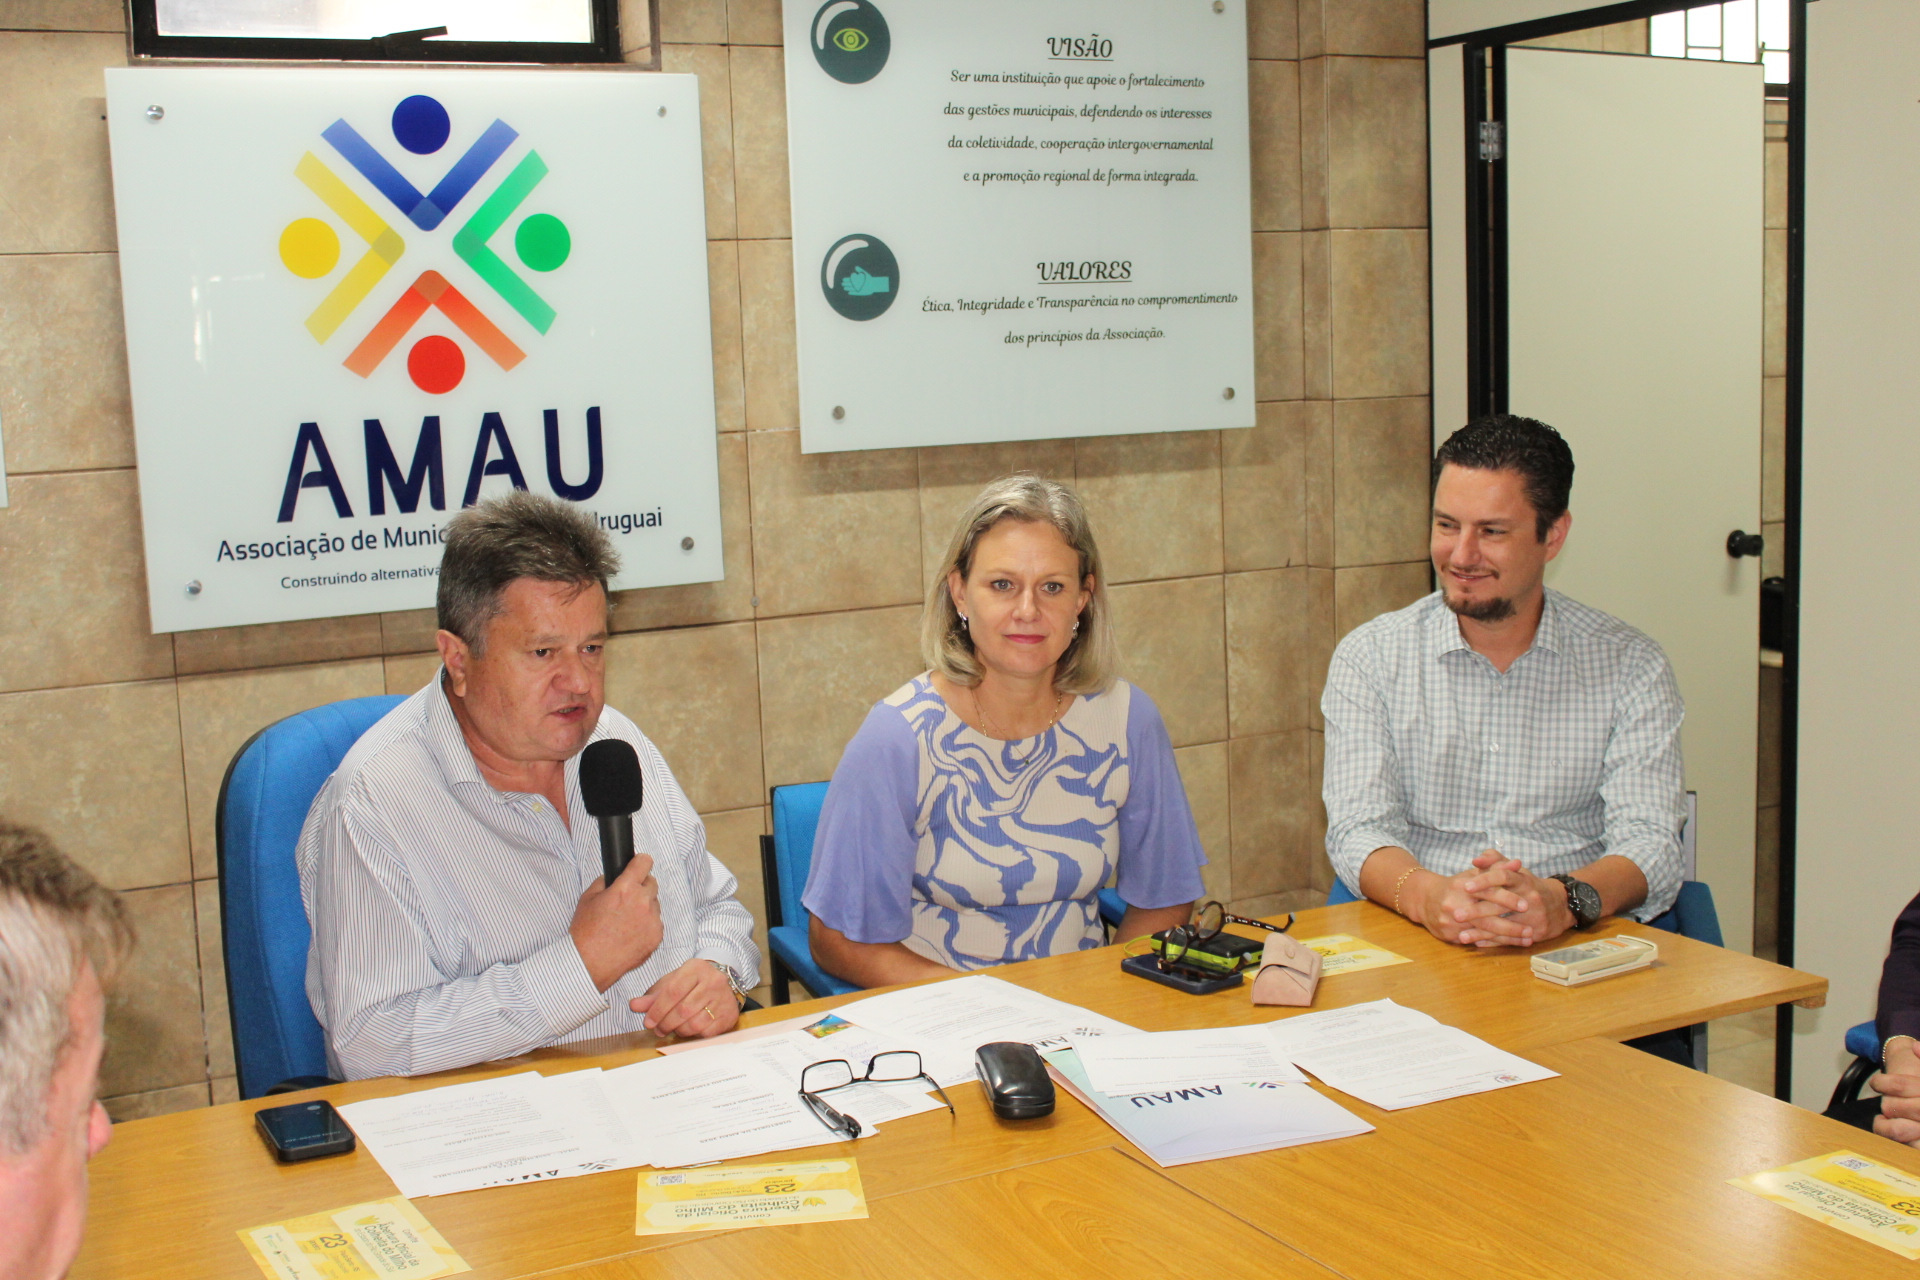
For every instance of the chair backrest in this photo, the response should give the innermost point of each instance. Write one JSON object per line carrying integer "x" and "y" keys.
{"x": 263, "y": 803}
{"x": 796, "y": 813}
{"x": 1692, "y": 915}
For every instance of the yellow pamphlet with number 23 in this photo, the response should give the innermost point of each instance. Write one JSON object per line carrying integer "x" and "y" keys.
{"x": 379, "y": 1240}
{"x": 748, "y": 1195}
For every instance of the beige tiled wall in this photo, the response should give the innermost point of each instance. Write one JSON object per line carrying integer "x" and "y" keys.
{"x": 1237, "y": 557}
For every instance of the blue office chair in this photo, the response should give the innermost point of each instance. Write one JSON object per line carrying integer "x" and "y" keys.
{"x": 1691, "y": 916}
{"x": 278, "y": 1046}
{"x": 785, "y": 858}
{"x": 1846, "y": 1105}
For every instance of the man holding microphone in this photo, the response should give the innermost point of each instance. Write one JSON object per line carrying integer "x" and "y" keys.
{"x": 451, "y": 868}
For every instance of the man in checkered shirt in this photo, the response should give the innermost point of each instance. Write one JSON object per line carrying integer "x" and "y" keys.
{"x": 1503, "y": 763}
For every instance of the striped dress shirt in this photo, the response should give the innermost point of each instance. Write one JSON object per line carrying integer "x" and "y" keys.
{"x": 440, "y": 906}
{"x": 1571, "y": 754}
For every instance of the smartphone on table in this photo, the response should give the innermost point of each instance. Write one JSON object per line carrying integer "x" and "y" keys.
{"x": 304, "y": 1131}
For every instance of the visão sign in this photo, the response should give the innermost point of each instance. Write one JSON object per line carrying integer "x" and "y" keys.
{"x": 1017, "y": 219}
{"x": 360, "y": 300}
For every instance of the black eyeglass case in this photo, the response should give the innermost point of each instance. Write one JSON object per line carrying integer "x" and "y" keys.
{"x": 1015, "y": 1080}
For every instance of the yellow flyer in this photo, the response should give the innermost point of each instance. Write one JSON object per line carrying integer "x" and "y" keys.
{"x": 1860, "y": 1196}
{"x": 748, "y": 1195}
{"x": 1344, "y": 953}
{"x": 374, "y": 1241}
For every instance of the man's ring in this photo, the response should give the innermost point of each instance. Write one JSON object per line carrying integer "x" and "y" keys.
{"x": 707, "y": 1009}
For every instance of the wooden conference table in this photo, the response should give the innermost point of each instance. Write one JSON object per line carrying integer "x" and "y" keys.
{"x": 1617, "y": 1167}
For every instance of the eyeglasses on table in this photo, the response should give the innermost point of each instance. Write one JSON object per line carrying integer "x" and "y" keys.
{"x": 1210, "y": 919}
{"x": 895, "y": 1066}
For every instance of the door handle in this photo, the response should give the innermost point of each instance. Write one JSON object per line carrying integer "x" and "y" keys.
{"x": 1740, "y": 543}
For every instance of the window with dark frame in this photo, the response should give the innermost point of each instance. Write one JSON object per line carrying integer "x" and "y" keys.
{"x": 1732, "y": 31}
{"x": 470, "y": 31}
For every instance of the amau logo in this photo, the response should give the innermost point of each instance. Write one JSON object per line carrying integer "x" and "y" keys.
{"x": 310, "y": 247}
{"x": 850, "y": 40}
{"x": 860, "y": 277}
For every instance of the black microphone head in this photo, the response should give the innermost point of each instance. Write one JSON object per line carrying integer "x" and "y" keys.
{"x": 610, "y": 778}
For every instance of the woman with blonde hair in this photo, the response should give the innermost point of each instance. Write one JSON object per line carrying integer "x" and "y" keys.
{"x": 982, "y": 805}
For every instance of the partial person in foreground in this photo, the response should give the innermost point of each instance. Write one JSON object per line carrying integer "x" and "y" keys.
{"x": 449, "y": 867}
{"x": 982, "y": 805}
{"x": 1502, "y": 762}
{"x": 1897, "y": 1021}
{"x": 62, "y": 939}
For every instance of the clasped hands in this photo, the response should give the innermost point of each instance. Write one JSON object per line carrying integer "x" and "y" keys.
{"x": 1497, "y": 904}
{"x": 617, "y": 927}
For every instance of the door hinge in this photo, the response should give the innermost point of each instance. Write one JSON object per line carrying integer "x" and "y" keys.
{"x": 1493, "y": 141}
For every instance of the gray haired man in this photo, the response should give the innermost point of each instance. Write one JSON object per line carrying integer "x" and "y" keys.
{"x": 61, "y": 936}
{"x": 449, "y": 867}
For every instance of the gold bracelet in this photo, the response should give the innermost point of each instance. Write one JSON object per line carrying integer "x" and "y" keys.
{"x": 1398, "y": 883}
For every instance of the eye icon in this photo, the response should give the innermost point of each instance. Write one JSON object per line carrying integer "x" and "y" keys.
{"x": 850, "y": 40}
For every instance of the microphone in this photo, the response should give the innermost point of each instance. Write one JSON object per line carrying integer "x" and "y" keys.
{"x": 611, "y": 787}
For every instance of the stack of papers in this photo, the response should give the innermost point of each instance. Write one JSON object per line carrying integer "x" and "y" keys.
{"x": 1395, "y": 1057}
{"x": 1147, "y": 1060}
{"x": 947, "y": 1021}
{"x": 1186, "y": 1123}
{"x": 519, "y": 1128}
{"x": 726, "y": 1102}
{"x": 721, "y": 1102}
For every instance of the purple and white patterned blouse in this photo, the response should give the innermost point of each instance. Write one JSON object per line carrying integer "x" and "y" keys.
{"x": 975, "y": 852}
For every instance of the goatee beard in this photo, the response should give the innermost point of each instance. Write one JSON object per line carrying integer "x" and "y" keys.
{"x": 1498, "y": 609}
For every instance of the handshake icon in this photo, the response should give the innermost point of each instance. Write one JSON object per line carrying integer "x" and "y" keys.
{"x": 861, "y": 284}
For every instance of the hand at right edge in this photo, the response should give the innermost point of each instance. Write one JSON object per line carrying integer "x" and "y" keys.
{"x": 1899, "y": 1089}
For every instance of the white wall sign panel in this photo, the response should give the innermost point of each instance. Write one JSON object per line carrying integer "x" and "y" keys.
{"x": 359, "y": 300}
{"x": 1019, "y": 219}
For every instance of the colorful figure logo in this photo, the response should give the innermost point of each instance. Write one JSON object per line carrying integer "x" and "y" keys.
{"x": 850, "y": 40}
{"x": 310, "y": 247}
{"x": 860, "y": 277}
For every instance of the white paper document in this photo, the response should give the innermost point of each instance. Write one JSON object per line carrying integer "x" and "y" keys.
{"x": 947, "y": 1021}
{"x": 834, "y": 1038}
{"x": 1159, "y": 1059}
{"x": 1395, "y": 1057}
{"x": 584, "y": 1100}
{"x": 486, "y": 1133}
{"x": 724, "y": 1104}
{"x": 719, "y": 1102}
{"x": 1186, "y": 1123}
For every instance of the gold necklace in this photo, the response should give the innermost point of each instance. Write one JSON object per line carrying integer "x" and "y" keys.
{"x": 1059, "y": 709}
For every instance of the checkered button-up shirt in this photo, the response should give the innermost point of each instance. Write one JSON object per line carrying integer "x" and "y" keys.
{"x": 1571, "y": 754}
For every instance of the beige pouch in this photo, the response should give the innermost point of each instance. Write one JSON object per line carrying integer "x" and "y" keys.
{"x": 1289, "y": 973}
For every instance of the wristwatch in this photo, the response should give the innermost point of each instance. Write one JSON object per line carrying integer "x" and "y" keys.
{"x": 1583, "y": 900}
{"x": 740, "y": 993}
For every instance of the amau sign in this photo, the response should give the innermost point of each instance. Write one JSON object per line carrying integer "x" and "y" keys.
{"x": 359, "y": 300}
